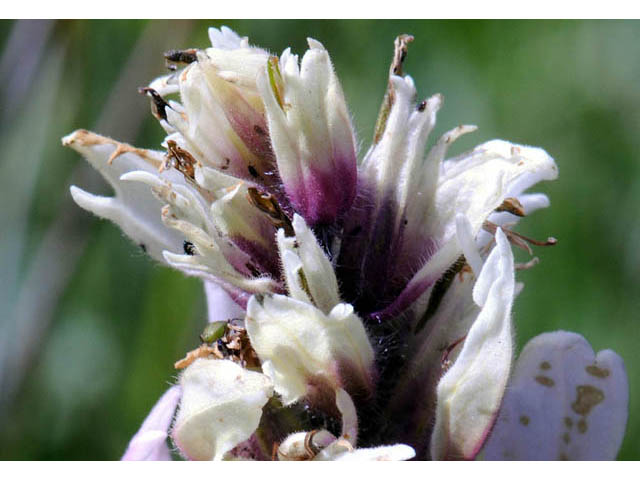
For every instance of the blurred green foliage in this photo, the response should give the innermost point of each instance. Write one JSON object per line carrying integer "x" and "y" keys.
{"x": 103, "y": 323}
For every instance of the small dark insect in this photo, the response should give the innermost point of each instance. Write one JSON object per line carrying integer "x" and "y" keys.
{"x": 143, "y": 247}
{"x": 158, "y": 105}
{"x": 189, "y": 248}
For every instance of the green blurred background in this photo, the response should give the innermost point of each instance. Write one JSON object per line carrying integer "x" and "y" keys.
{"x": 90, "y": 327}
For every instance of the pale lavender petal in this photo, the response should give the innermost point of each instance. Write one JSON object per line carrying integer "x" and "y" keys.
{"x": 349, "y": 416}
{"x": 563, "y": 403}
{"x": 150, "y": 441}
{"x": 219, "y": 304}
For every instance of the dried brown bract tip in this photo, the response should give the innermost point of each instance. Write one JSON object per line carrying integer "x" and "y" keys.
{"x": 518, "y": 239}
{"x": 229, "y": 342}
{"x": 266, "y": 203}
{"x": 203, "y": 351}
{"x": 401, "y": 46}
{"x": 179, "y": 158}
{"x": 181, "y": 56}
{"x": 511, "y": 205}
{"x": 158, "y": 104}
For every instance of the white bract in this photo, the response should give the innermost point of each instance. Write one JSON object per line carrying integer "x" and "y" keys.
{"x": 470, "y": 393}
{"x": 308, "y": 272}
{"x": 358, "y": 312}
{"x": 311, "y": 133}
{"x": 299, "y": 345}
{"x": 221, "y": 406}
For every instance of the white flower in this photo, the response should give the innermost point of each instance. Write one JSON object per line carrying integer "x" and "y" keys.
{"x": 358, "y": 312}
{"x": 308, "y": 272}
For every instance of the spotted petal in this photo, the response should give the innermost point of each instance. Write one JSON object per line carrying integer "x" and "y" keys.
{"x": 563, "y": 403}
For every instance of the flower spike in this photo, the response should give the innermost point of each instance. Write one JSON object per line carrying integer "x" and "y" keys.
{"x": 356, "y": 311}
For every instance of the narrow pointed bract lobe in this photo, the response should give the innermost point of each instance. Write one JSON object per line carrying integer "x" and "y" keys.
{"x": 469, "y": 394}
{"x": 311, "y": 133}
{"x": 357, "y": 312}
